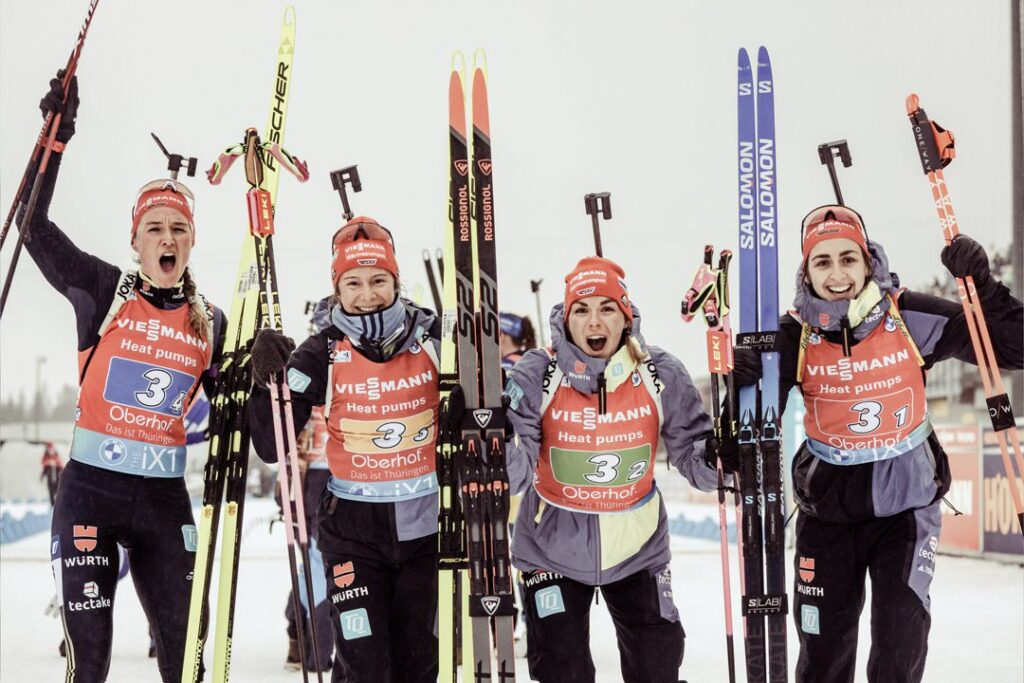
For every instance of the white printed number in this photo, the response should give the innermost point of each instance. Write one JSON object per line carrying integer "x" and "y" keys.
{"x": 607, "y": 464}
{"x": 869, "y": 419}
{"x": 393, "y": 432}
{"x": 608, "y": 469}
{"x": 155, "y": 394}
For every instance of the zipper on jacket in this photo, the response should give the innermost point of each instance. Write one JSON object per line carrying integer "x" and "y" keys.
{"x": 597, "y": 573}
{"x": 602, "y": 394}
{"x": 844, "y": 324}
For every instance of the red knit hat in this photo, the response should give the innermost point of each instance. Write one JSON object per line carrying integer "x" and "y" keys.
{"x": 831, "y": 221}
{"x": 362, "y": 242}
{"x": 596, "y": 276}
{"x": 165, "y": 192}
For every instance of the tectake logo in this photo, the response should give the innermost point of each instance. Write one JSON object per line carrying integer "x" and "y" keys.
{"x": 91, "y": 590}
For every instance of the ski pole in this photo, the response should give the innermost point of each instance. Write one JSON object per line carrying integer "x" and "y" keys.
{"x": 46, "y": 143}
{"x": 341, "y": 177}
{"x": 709, "y": 294}
{"x": 827, "y": 153}
{"x": 432, "y": 280}
{"x": 535, "y": 288}
{"x": 439, "y": 256}
{"x": 598, "y": 205}
{"x": 935, "y": 146}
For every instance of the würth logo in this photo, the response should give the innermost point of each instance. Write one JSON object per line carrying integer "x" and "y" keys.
{"x": 344, "y": 574}
{"x": 807, "y": 569}
{"x": 85, "y": 538}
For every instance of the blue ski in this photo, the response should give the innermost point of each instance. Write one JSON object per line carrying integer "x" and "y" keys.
{"x": 768, "y": 325}
{"x": 752, "y": 575}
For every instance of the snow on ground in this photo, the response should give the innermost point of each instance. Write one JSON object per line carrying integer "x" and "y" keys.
{"x": 977, "y": 630}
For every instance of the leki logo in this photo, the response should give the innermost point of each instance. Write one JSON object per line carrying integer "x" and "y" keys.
{"x": 462, "y": 167}
{"x": 485, "y": 166}
{"x": 344, "y": 574}
{"x": 85, "y": 538}
{"x": 807, "y": 569}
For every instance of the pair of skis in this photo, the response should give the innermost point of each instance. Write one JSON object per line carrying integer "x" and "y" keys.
{"x": 762, "y": 497}
{"x": 473, "y": 515}
{"x": 255, "y": 304}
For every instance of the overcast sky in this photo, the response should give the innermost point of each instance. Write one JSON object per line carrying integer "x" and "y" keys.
{"x": 635, "y": 98}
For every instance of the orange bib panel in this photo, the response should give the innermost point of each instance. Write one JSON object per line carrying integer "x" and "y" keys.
{"x": 598, "y": 463}
{"x": 382, "y": 424}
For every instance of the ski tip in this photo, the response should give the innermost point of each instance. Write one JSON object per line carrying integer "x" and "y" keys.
{"x": 913, "y": 103}
{"x": 762, "y": 55}
{"x": 457, "y": 104}
{"x": 480, "y": 60}
{"x": 289, "y": 15}
{"x": 743, "y": 59}
{"x": 458, "y": 62}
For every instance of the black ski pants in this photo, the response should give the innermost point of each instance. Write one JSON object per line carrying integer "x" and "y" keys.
{"x": 383, "y": 594}
{"x": 831, "y": 563}
{"x": 647, "y": 627}
{"x": 151, "y": 518}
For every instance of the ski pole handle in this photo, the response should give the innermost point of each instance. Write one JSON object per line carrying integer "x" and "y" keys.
{"x": 935, "y": 145}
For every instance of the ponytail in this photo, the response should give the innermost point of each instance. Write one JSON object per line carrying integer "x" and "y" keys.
{"x": 637, "y": 351}
{"x": 198, "y": 317}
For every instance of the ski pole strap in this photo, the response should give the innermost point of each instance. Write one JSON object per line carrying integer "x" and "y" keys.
{"x": 871, "y": 449}
{"x": 935, "y": 144}
{"x": 294, "y": 165}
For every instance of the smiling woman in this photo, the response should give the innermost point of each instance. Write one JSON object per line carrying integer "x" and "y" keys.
{"x": 146, "y": 342}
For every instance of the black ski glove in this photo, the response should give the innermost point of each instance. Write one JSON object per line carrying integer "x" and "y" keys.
{"x": 728, "y": 450}
{"x": 746, "y": 368}
{"x": 53, "y": 102}
{"x": 270, "y": 353}
{"x": 963, "y": 256}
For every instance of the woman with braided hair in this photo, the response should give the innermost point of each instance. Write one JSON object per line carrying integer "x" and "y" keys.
{"x": 146, "y": 341}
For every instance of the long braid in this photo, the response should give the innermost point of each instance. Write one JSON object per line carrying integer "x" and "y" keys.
{"x": 198, "y": 319}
